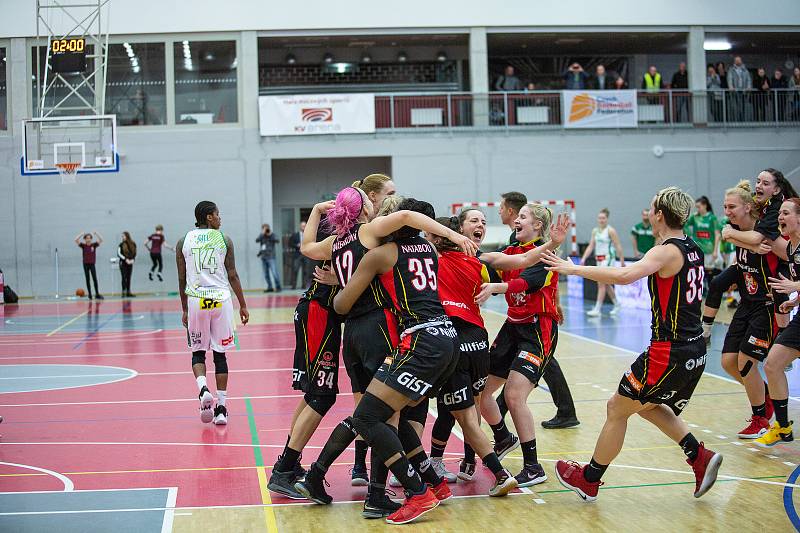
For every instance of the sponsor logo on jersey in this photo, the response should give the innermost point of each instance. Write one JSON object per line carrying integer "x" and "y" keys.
{"x": 668, "y": 395}
{"x": 531, "y": 357}
{"x": 454, "y": 398}
{"x": 474, "y": 346}
{"x": 196, "y": 337}
{"x": 635, "y": 383}
{"x": 327, "y": 361}
{"x": 296, "y": 375}
{"x": 432, "y": 331}
{"x": 703, "y": 235}
{"x": 750, "y": 283}
{"x": 227, "y": 341}
{"x": 451, "y": 303}
{"x": 208, "y": 303}
{"x": 680, "y": 405}
{"x": 761, "y": 343}
{"x": 480, "y": 384}
{"x": 413, "y": 383}
{"x": 691, "y": 364}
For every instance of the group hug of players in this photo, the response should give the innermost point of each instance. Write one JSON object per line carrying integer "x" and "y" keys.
{"x": 413, "y": 332}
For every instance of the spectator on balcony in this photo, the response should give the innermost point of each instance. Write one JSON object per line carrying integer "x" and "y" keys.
{"x": 715, "y": 93}
{"x": 533, "y": 99}
{"x": 739, "y": 81}
{"x": 575, "y": 78}
{"x": 680, "y": 88}
{"x": 620, "y": 84}
{"x": 779, "y": 85}
{"x": 652, "y": 83}
{"x": 508, "y": 81}
{"x": 761, "y": 99}
{"x": 794, "y": 95}
{"x": 601, "y": 81}
{"x": 723, "y": 75}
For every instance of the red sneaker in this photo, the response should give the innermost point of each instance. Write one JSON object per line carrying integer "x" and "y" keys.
{"x": 757, "y": 427}
{"x": 414, "y": 507}
{"x": 770, "y": 408}
{"x": 441, "y": 491}
{"x": 705, "y": 466}
{"x": 570, "y": 474}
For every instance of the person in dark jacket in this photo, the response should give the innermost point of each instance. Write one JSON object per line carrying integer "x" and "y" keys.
{"x": 267, "y": 241}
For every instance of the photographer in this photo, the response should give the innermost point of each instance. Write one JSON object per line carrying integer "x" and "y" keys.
{"x": 268, "y": 240}
{"x": 575, "y": 78}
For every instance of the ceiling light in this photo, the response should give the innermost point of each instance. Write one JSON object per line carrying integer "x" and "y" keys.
{"x": 290, "y": 59}
{"x": 441, "y": 56}
{"x": 366, "y": 58}
{"x": 327, "y": 58}
{"x": 717, "y": 45}
{"x": 402, "y": 57}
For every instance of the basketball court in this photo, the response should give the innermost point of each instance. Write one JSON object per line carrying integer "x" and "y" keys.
{"x": 102, "y": 432}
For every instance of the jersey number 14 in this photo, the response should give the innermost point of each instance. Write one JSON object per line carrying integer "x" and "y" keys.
{"x": 204, "y": 258}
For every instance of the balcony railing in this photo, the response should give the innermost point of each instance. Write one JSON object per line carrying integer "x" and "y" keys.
{"x": 543, "y": 109}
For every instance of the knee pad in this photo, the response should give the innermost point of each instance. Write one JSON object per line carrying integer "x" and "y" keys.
{"x": 199, "y": 358}
{"x": 320, "y": 403}
{"x": 746, "y": 368}
{"x": 408, "y": 436}
{"x": 443, "y": 426}
{"x": 371, "y": 413}
{"x": 220, "y": 363}
{"x": 416, "y": 413}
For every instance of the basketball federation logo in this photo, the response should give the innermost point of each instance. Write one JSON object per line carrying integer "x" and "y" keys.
{"x": 317, "y": 114}
{"x": 583, "y": 106}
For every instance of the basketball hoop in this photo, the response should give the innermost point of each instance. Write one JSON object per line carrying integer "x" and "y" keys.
{"x": 68, "y": 172}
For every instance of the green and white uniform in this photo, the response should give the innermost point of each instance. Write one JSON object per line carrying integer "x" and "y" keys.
{"x": 702, "y": 228}
{"x": 211, "y": 314}
{"x": 727, "y": 249}
{"x": 644, "y": 237}
{"x": 604, "y": 252}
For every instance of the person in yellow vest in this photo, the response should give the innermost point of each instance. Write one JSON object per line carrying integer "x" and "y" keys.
{"x": 651, "y": 82}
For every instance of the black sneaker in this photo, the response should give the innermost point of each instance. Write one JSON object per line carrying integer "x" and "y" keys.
{"x": 531, "y": 475}
{"x": 283, "y": 483}
{"x": 378, "y": 504}
{"x": 99, "y": 297}
{"x": 506, "y": 445}
{"x": 466, "y": 470}
{"x": 150, "y": 275}
{"x": 359, "y": 476}
{"x": 299, "y": 471}
{"x": 561, "y": 422}
{"x": 159, "y": 277}
{"x": 220, "y": 415}
{"x": 313, "y": 486}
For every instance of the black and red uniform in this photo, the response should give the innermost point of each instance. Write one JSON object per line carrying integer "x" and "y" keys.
{"x": 370, "y": 329}
{"x": 528, "y": 339}
{"x": 767, "y": 225}
{"x": 753, "y": 327}
{"x": 790, "y": 337}
{"x": 669, "y": 370}
{"x": 428, "y": 349}
{"x": 460, "y": 279}
{"x": 318, "y": 336}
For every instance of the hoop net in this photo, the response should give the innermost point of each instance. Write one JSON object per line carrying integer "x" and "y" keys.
{"x": 68, "y": 172}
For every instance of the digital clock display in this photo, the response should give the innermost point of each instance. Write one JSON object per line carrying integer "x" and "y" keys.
{"x": 68, "y": 55}
{"x": 76, "y": 45}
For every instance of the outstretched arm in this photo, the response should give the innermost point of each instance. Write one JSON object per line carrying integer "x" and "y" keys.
{"x": 653, "y": 261}
{"x": 501, "y": 261}
{"x": 381, "y": 227}
{"x": 310, "y": 247}
{"x": 376, "y": 261}
{"x": 233, "y": 279}
{"x": 181, "y": 264}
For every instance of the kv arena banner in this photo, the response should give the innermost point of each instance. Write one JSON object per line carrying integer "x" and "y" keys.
{"x": 599, "y": 109}
{"x": 316, "y": 114}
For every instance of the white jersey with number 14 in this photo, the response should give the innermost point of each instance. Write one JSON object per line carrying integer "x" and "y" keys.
{"x": 206, "y": 277}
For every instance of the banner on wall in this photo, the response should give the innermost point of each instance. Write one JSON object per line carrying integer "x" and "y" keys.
{"x": 316, "y": 114}
{"x": 599, "y": 109}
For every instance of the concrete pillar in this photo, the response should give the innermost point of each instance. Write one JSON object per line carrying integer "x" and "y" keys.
{"x": 479, "y": 76}
{"x": 696, "y": 66}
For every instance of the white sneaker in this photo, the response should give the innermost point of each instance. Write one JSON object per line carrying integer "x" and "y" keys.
{"x": 441, "y": 470}
{"x": 594, "y": 311}
{"x": 393, "y": 482}
{"x": 220, "y": 415}
{"x": 206, "y": 405}
{"x": 615, "y": 311}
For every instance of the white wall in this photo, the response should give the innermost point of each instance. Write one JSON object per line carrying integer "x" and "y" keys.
{"x": 17, "y": 17}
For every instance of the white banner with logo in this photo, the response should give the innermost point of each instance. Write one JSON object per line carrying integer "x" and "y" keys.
{"x": 315, "y": 114}
{"x": 599, "y": 109}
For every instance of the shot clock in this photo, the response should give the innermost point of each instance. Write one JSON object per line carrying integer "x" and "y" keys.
{"x": 68, "y": 54}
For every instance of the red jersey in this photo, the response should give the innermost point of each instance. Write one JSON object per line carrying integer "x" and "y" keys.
{"x": 460, "y": 279}
{"x": 532, "y": 291}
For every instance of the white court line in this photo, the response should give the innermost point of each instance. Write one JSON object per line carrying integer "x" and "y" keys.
{"x": 112, "y": 335}
{"x": 183, "y": 353}
{"x": 68, "y": 485}
{"x": 169, "y": 513}
{"x": 173, "y": 373}
{"x": 117, "y": 402}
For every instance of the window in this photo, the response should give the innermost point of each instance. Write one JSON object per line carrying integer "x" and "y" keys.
{"x": 136, "y": 84}
{"x": 205, "y": 82}
{"x": 3, "y": 91}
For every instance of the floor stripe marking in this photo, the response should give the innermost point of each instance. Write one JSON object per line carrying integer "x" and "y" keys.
{"x": 68, "y": 485}
{"x": 269, "y": 513}
{"x": 65, "y": 324}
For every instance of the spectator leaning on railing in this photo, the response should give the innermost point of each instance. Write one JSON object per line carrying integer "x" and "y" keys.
{"x": 602, "y": 81}
{"x": 779, "y": 83}
{"x": 761, "y": 100}
{"x": 508, "y": 81}
{"x": 715, "y": 94}
{"x": 575, "y": 78}
{"x": 680, "y": 83}
{"x": 739, "y": 80}
{"x": 651, "y": 81}
{"x": 723, "y": 74}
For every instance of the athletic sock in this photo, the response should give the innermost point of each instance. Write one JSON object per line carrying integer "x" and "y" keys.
{"x": 500, "y": 431}
{"x": 341, "y": 437}
{"x": 781, "y": 411}
{"x": 469, "y": 453}
{"x": 759, "y": 410}
{"x": 361, "y": 454}
{"x": 443, "y": 426}
{"x": 594, "y": 471}
{"x": 287, "y": 460}
{"x": 493, "y": 463}
{"x": 407, "y": 476}
{"x": 378, "y": 472}
{"x": 201, "y": 382}
{"x": 422, "y": 464}
{"x": 437, "y": 450}
{"x": 501, "y": 403}
{"x": 529, "y": 452}
{"x": 690, "y": 446}
{"x": 708, "y": 319}
{"x": 221, "y": 395}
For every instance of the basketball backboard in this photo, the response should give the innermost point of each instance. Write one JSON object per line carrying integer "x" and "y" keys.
{"x": 90, "y": 141}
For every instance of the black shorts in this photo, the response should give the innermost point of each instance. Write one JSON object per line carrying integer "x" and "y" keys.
{"x": 368, "y": 339}
{"x": 474, "y": 349}
{"x": 666, "y": 373}
{"x": 422, "y": 362}
{"x": 790, "y": 337}
{"x": 525, "y": 348}
{"x": 751, "y": 331}
{"x": 779, "y": 298}
{"x": 318, "y": 334}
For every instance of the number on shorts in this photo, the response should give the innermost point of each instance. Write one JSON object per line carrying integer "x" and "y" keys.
{"x": 695, "y": 279}
{"x": 325, "y": 379}
{"x": 421, "y": 280}
{"x": 344, "y": 264}
{"x": 204, "y": 259}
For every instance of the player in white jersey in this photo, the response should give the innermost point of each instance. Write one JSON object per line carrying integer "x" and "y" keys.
{"x": 206, "y": 276}
{"x": 606, "y": 247}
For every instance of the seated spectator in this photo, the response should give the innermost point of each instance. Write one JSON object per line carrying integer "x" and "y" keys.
{"x": 575, "y": 78}
{"x": 620, "y": 84}
{"x": 508, "y": 81}
{"x": 602, "y": 81}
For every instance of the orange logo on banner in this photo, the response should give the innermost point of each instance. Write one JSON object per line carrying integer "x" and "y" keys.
{"x": 583, "y": 106}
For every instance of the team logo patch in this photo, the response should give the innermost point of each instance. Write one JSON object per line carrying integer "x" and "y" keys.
{"x": 750, "y": 283}
{"x": 761, "y": 343}
{"x": 531, "y": 357}
{"x": 635, "y": 383}
{"x": 432, "y": 331}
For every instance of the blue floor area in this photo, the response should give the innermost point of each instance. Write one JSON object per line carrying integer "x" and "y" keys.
{"x": 29, "y": 378}
{"x": 61, "y": 511}
{"x": 91, "y": 323}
